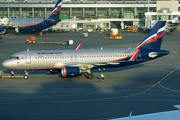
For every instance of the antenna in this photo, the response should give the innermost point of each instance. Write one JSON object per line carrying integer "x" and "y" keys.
{"x": 177, "y": 106}
{"x": 130, "y": 114}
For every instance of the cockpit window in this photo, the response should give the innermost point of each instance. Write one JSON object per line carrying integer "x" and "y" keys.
{"x": 14, "y": 57}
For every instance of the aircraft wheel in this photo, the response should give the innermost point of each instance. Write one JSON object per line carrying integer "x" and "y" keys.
{"x": 89, "y": 76}
{"x": 25, "y": 77}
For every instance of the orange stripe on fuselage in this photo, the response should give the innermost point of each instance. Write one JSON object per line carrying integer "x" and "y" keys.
{"x": 135, "y": 55}
{"x": 119, "y": 59}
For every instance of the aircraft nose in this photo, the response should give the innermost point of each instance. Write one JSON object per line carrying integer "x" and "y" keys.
{"x": 6, "y": 64}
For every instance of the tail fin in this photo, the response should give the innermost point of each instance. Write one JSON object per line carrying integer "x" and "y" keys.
{"x": 56, "y": 11}
{"x": 154, "y": 38}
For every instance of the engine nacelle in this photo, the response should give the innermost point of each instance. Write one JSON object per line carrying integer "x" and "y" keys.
{"x": 70, "y": 71}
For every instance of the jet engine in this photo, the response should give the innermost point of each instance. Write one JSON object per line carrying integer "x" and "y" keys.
{"x": 70, "y": 71}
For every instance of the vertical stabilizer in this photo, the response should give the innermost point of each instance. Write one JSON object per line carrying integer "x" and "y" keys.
{"x": 154, "y": 38}
{"x": 56, "y": 11}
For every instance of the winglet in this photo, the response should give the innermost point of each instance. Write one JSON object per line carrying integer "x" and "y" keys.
{"x": 130, "y": 114}
{"x": 79, "y": 46}
{"x": 177, "y": 106}
{"x": 90, "y": 19}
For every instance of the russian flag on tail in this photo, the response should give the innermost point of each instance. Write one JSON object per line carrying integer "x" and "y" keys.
{"x": 56, "y": 11}
{"x": 154, "y": 38}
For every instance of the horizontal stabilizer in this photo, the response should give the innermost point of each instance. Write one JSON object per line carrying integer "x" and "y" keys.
{"x": 113, "y": 63}
{"x": 51, "y": 20}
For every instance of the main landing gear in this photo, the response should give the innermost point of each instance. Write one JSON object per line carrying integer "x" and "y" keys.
{"x": 26, "y": 74}
{"x": 89, "y": 75}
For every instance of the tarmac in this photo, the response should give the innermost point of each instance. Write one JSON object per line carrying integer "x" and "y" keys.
{"x": 144, "y": 88}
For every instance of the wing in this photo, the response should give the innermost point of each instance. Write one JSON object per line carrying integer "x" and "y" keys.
{"x": 70, "y": 21}
{"x": 89, "y": 65}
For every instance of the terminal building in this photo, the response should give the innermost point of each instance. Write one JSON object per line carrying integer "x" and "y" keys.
{"x": 130, "y": 12}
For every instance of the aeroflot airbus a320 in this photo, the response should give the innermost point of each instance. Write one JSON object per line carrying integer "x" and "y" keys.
{"x": 76, "y": 62}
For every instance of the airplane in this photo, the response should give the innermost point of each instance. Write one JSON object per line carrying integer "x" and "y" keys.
{"x": 168, "y": 115}
{"x": 73, "y": 63}
{"x": 34, "y": 25}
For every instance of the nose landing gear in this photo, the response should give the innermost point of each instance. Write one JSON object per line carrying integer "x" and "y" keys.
{"x": 26, "y": 74}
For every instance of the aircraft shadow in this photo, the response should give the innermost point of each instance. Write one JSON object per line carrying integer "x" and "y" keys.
{"x": 117, "y": 68}
{"x": 8, "y": 71}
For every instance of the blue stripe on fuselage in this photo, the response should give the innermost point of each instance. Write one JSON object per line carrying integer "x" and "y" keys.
{"x": 42, "y": 25}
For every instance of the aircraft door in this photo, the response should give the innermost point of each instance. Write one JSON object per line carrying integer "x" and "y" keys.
{"x": 75, "y": 57}
{"x": 28, "y": 58}
{"x": 71, "y": 57}
{"x": 138, "y": 58}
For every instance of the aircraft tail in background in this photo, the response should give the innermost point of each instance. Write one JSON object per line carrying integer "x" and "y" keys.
{"x": 56, "y": 11}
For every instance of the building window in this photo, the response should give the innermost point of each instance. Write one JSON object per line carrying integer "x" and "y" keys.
{"x": 115, "y": 13}
{"x": 3, "y": 12}
{"x": 89, "y": 13}
{"x": 102, "y": 13}
{"x": 27, "y": 13}
{"x": 39, "y": 13}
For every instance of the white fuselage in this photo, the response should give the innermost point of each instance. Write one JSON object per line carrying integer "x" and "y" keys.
{"x": 24, "y": 21}
{"x": 55, "y": 59}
